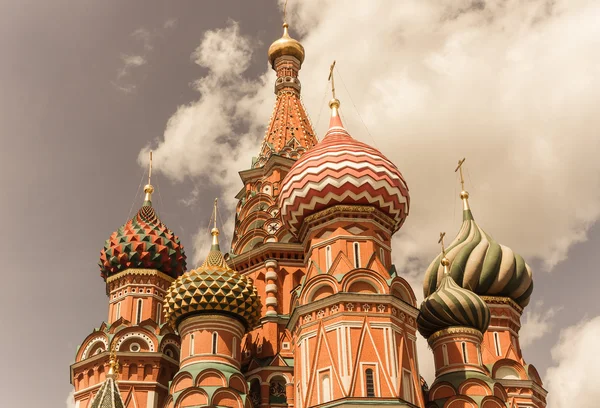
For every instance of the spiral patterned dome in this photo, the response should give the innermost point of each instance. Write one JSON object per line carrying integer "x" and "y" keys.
{"x": 480, "y": 264}
{"x": 452, "y": 306}
{"x": 213, "y": 288}
{"x": 342, "y": 170}
{"x": 143, "y": 242}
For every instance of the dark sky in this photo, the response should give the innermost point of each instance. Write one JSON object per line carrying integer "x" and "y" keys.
{"x": 86, "y": 85}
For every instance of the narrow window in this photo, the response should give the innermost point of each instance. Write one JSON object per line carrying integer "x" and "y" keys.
{"x": 464, "y": 350}
{"x": 325, "y": 389}
{"x": 382, "y": 255}
{"x": 234, "y": 348}
{"x": 158, "y": 316}
{"x": 118, "y": 311}
{"x": 191, "y": 345}
{"x": 445, "y": 353}
{"x": 215, "y": 337}
{"x": 328, "y": 257}
{"x": 407, "y": 386}
{"x": 369, "y": 383}
{"x": 356, "y": 255}
{"x": 138, "y": 318}
{"x": 497, "y": 344}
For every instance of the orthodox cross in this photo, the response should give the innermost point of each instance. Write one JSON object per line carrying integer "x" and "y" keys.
{"x": 331, "y": 79}
{"x": 285, "y": 12}
{"x": 441, "y": 241}
{"x": 459, "y": 169}
{"x": 215, "y": 212}
{"x": 150, "y": 168}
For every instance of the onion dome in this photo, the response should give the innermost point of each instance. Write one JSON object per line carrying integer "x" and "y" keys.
{"x": 213, "y": 288}
{"x": 143, "y": 242}
{"x": 341, "y": 170}
{"x": 481, "y": 264}
{"x": 286, "y": 45}
{"x": 452, "y": 306}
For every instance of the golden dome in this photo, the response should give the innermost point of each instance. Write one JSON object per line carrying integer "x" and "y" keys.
{"x": 286, "y": 45}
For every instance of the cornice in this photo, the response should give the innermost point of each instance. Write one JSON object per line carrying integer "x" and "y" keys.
{"x": 139, "y": 272}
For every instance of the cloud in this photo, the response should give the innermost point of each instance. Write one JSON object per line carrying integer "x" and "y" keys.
{"x": 214, "y": 137}
{"x": 170, "y": 23}
{"x": 70, "y": 401}
{"x": 130, "y": 62}
{"x": 537, "y": 324}
{"x": 572, "y": 380}
{"x": 511, "y": 86}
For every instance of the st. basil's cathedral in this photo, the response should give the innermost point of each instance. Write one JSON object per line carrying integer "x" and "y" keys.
{"x": 307, "y": 308}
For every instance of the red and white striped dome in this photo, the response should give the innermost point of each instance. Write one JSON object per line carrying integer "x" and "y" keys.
{"x": 342, "y": 170}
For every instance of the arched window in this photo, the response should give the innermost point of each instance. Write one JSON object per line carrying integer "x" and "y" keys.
{"x": 215, "y": 337}
{"x": 138, "y": 317}
{"x": 328, "y": 257}
{"x": 234, "y": 348}
{"x": 369, "y": 383}
{"x": 497, "y": 344}
{"x": 158, "y": 316}
{"x": 356, "y": 255}
{"x": 118, "y": 310}
{"x": 464, "y": 350}
{"x": 325, "y": 389}
{"x": 191, "y": 344}
{"x": 382, "y": 256}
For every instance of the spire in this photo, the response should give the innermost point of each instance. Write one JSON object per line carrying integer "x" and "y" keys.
{"x": 289, "y": 132}
{"x": 445, "y": 262}
{"x": 334, "y": 103}
{"x": 464, "y": 195}
{"x": 148, "y": 189}
{"x": 113, "y": 364}
{"x": 215, "y": 256}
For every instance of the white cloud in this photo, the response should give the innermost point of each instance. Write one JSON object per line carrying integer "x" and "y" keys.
{"x": 572, "y": 380}
{"x": 537, "y": 323}
{"x": 211, "y": 139}
{"x": 70, "y": 401}
{"x": 512, "y": 86}
{"x": 170, "y": 23}
{"x": 130, "y": 62}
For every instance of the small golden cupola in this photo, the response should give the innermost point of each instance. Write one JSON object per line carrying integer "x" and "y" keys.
{"x": 286, "y": 46}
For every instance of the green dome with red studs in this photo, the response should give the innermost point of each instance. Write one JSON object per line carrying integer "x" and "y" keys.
{"x": 143, "y": 242}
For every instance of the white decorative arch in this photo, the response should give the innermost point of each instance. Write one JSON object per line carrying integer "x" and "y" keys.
{"x": 136, "y": 335}
{"x": 93, "y": 342}
{"x": 284, "y": 375}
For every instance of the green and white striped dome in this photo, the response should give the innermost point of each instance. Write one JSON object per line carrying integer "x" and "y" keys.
{"x": 452, "y": 306}
{"x": 482, "y": 265}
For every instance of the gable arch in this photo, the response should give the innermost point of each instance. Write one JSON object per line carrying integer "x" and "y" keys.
{"x": 91, "y": 345}
{"x": 141, "y": 335}
{"x": 366, "y": 276}
{"x": 474, "y": 386}
{"x": 402, "y": 290}
{"x": 315, "y": 283}
{"x": 211, "y": 378}
{"x": 506, "y": 369}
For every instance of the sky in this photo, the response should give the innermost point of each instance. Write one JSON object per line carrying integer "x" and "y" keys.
{"x": 89, "y": 87}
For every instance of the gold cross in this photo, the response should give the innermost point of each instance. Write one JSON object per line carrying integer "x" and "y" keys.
{"x": 331, "y": 79}
{"x": 215, "y": 212}
{"x": 459, "y": 169}
{"x": 150, "y": 168}
{"x": 441, "y": 241}
{"x": 285, "y": 12}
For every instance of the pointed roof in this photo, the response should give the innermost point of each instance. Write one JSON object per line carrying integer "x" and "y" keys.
{"x": 289, "y": 132}
{"x": 108, "y": 396}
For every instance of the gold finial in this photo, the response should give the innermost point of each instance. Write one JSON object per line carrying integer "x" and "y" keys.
{"x": 445, "y": 262}
{"x": 334, "y": 103}
{"x": 464, "y": 195}
{"x": 148, "y": 189}
{"x": 215, "y": 231}
{"x": 113, "y": 364}
{"x": 285, "y": 14}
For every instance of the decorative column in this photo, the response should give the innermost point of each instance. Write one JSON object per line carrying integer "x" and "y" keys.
{"x": 271, "y": 287}
{"x": 265, "y": 392}
{"x": 289, "y": 393}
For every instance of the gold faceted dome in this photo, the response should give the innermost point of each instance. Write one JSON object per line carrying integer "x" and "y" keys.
{"x": 286, "y": 45}
{"x": 213, "y": 288}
